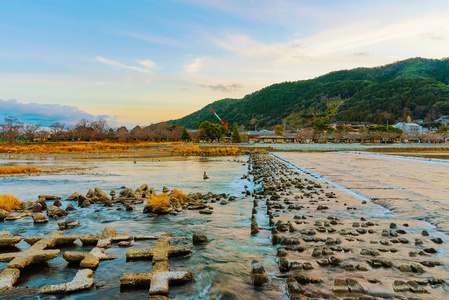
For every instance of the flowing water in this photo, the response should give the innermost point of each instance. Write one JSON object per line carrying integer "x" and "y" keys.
{"x": 221, "y": 267}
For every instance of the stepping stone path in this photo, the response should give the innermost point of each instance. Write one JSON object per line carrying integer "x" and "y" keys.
{"x": 339, "y": 238}
{"x": 103, "y": 240}
{"x": 91, "y": 260}
{"x": 37, "y": 253}
{"x": 161, "y": 277}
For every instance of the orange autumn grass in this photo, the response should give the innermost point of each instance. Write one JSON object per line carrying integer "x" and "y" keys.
{"x": 163, "y": 200}
{"x": 195, "y": 150}
{"x": 9, "y": 202}
{"x": 78, "y": 147}
{"x": 18, "y": 170}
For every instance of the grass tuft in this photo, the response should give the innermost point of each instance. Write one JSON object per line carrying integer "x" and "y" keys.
{"x": 9, "y": 202}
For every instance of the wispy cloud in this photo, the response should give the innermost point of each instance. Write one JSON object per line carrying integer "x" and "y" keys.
{"x": 195, "y": 66}
{"x": 147, "y": 63}
{"x": 223, "y": 88}
{"x": 153, "y": 38}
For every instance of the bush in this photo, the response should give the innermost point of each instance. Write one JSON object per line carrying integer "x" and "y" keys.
{"x": 9, "y": 202}
{"x": 179, "y": 195}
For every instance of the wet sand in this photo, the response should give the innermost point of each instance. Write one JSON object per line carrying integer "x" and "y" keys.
{"x": 415, "y": 189}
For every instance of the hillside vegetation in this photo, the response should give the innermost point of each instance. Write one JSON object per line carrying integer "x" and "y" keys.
{"x": 417, "y": 87}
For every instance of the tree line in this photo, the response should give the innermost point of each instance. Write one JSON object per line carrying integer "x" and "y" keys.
{"x": 98, "y": 130}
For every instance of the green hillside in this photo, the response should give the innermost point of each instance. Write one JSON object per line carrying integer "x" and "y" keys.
{"x": 417, "y": 87}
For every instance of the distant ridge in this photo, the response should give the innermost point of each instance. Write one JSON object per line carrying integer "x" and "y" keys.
{"x": 417, "y": 87}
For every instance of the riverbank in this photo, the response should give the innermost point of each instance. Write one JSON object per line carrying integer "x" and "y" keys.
{"x": 337, "y": 243}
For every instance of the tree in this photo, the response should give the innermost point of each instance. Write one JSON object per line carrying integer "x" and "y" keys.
{"x": 235, "y": 134}
{"x": 279, "y": 130}
{"x": 57, "y": 130}
{"x": 176, "y": 132}
{"x": 30, "y": 132}
{"x": 211, "y": 131}
{"x": 10, "y": 130}
{"x": 185, "y": 137}
{"x": 136, "y": 133}
{"x": 122, "y": 133}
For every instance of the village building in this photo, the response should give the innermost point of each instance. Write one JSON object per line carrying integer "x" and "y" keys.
{"x": 410, "y": 128}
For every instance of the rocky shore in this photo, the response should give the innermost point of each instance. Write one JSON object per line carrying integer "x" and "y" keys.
{"x": 331, "y": 244}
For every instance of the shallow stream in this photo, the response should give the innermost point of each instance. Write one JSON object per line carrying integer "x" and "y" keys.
{"x": 221, "y": 267}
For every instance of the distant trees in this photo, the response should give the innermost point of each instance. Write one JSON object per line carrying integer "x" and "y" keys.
{"x": 185, "y": 137}
{"x": 279, "y": 130}
{"x": 10, "y": 130}
{"x": 235, "y": 137}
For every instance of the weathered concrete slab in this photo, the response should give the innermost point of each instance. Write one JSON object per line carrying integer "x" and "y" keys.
{"x": 82, "y": 281}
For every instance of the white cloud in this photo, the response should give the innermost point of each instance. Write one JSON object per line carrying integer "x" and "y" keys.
{"x": 195, "y": 66}
{"x": 120, "y": 65}
{"x": 147, "y": 63}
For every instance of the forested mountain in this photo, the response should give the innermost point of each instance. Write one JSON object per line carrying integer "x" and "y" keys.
{"x": 417, "y": 87}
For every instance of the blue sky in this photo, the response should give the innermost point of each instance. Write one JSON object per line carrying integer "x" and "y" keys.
{"x": 139, "y": 62}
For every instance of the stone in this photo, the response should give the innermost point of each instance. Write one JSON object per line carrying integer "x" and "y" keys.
{"x": 89, "y": 260}
{"x": 124, "y": 244}
{"x": 48, "y": 197}
{"x": 8, "y": 277}
{"x": 7, "y": 241}
{"x": 73, "y": 197}
{"x": 42, "y": 203}
{"x": 82, "y": 281}
{"x": 199, "y": 238}
{"x": 102, "y": 197}
{"x": 104, "y": 239}
{"x": 37, "y": 207}
{"x": 293, "y": 288}
{"x": 340, "y": 286}
{"x": 400, "y": 286}
{"x": 70, "y": 207}
{"x": 160, "y": 278}
{"x": 57, "y": 203}
{"x": 254, "y": 227}
{"x": 415, "y": 287}
{"x": 37, "y": 253}
{"x": 56, "y": 212}
{"x": 40, "y": 218}
{"x": 258, "y": 275}
{"x": 354, "y": 286}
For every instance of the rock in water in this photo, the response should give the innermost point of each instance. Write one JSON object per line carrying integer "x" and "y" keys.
{"x": 40, "y": 218}
{"x": 258, "y": 275}
{"x": 254, "y": 227}
{"x": 73, "y": 197}
{"x": 199, "y": 238}
{"x": 56, "y": 212}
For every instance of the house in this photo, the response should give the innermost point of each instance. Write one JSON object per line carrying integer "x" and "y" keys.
{"x": 444, "y": 120}
{"x": 410, "y": 128}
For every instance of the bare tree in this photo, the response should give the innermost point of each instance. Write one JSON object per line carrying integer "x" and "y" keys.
{"x": 57, "y": 130}
{"x": 176, "y": 133}
{"x": 29, "y": 132}
{"x": 122, "y": 133}
{"x": 10, "y": 130}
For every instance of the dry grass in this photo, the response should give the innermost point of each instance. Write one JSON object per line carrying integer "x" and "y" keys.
{"x": 179, "y": 195}
{"x": 9, "y": 202}
{"x": 156, "y": 201}
{"x": 18, "y": 170}
{"x": 195, "y": 150}
{"x": 78, "y": 147}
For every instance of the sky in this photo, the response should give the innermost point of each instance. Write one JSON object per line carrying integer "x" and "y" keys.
{"x": 146, "y": 61}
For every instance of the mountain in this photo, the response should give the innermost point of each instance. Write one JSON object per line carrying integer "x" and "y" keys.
{"x": 417, "y": 87}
